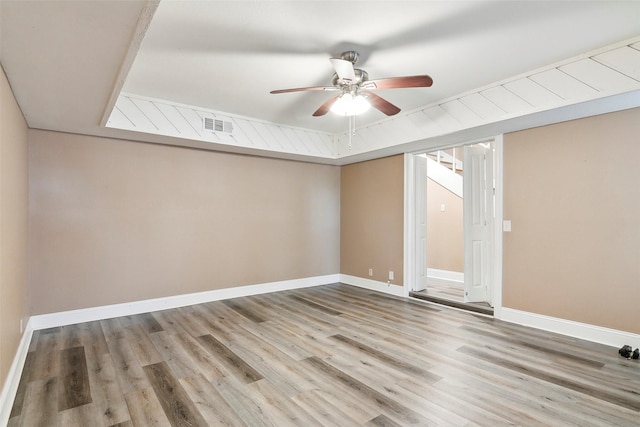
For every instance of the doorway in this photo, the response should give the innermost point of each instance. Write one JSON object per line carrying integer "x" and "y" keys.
{"x": 453, "y": 204}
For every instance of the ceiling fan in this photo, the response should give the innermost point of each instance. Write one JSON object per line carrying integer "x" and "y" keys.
{"x": 356, "y": 89}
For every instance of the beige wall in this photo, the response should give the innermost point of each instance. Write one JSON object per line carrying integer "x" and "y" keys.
{"x": 115, "y": 221}
{"x": 572, "y": 194}
{"x": 372, "y": 218}
{"x": 13, "y": 225}
{"x": 445, "y": 236}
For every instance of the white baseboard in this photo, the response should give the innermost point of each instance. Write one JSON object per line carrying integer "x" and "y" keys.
{"x": 454, "y": 276}
{"x": 71, "y": 317}
{"x": 8, "y": 394}
{"x": 585, "y": 331}
{"x": 373, "y": 285}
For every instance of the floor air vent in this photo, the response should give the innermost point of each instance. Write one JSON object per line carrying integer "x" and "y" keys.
{"x": 215, "y": 125}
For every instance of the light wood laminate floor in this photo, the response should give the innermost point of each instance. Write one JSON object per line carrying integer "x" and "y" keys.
{"x": 331, "y": 355}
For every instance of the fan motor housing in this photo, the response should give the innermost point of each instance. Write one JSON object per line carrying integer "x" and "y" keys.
{"x": 361, "y": 76}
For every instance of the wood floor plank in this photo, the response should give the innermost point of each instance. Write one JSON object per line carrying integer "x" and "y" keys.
{"x": 241, "y": 368}
{"x": 174, "y": 354}
{"x": 210, "y": 403}
{"x": 74, "y": 379}
{"x": 208, "y": 365}
{"x": 16, "y": 409}
{"x": 148, "y": 323}
{"x": 279, "y": 408}
{"x": 141, "y": 344}
{"x": 284, "y": 341}
{"x": 499, "y": 406}
{"x": 431, "y": 408}
{"x": 79, "y": 416}
{"x": 109, "y": 401}
{"x": 241, "y": 399}
{"x": 224, "y": 329}
{"x": 296, "y": 322}
{"x": 388, "y": 360}
{"x": 546, "y": 349}
{"x": 633, "y": 404}
{"x": 402, "y": 413}
{"x": 325, "y": 412}
{"x": 178, "y": 407}
{"x": 128, "y": 371}
{"x": 383, "y": 421}
{"x": 94, "y": 340}
{"x": 273, "y": 364}
{"x": 537, "y": 392}
{"x": 47, "y": 360}
{"x": 41, "y": 403}
{"x": 326, "y": 355}
{"x": 241, "y": 308}
{"x": 348, "y": 400}
{"x": 320, "y": 307}
{"x": 33, "y": 345}
{"x": 145, "y": 409}
{"x": 453, "y": 403}
{"x": 190, "y": 323}
{"x": 71, "y": 336}
{"x": 112, "y": 329}
{"x": 169, "y": 323}
{"x": 219, "y": 311}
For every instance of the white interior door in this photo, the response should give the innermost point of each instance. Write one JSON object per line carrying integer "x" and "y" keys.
{"x": 420, "y": 184}
{"x": 478, "y": 222}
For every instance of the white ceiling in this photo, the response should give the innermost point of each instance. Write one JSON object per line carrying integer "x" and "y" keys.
{"x": 68, "y": 60}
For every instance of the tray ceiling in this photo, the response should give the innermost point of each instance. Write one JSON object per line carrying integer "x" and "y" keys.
{"x": 152, "y": 71}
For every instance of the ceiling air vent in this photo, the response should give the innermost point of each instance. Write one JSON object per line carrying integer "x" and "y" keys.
{"x": 215, "y": 125}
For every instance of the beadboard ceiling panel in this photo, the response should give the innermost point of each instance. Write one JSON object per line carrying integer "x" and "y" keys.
{"x": 160, "y": 117}
{"x": 506, "y": 100}
{"x": 533, "y": 93}
{"x": 598, "y": 76}
{"x": 564, "y": 85}
{"x": 626, "y": 60}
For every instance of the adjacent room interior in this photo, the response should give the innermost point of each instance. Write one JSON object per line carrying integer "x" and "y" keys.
{"x": 193, "y": 233}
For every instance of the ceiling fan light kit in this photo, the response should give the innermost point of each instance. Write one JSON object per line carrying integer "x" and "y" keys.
{"x": 348, "y": 104}
{"x": 355, "y": 88}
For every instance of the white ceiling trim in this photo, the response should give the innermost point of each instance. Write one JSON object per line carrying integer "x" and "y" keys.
{"x": 142, "y": 25}
{"x": 600, "y": 74}
{"x": 155, "y": 116}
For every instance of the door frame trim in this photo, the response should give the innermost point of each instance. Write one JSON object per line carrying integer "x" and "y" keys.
{"x": 409, "y": 262}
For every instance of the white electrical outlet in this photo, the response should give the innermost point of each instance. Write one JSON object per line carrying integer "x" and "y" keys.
{"x": 371, "y": 272}
{"x": 391, "y": 275}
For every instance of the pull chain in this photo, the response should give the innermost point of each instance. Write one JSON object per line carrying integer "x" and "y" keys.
{"x": 352, "y": 128}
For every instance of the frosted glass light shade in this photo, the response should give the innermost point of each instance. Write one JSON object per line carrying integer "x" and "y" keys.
{"x": 348, "y": 105}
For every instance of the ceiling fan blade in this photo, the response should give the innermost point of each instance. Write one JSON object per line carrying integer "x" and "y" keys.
{"x": 324, "y": 108}
{"x": 305, "y": 89}
{"x": 344, "y": 69}
{"x": 400, "y": 82}
{"x": 380, "y": 103}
